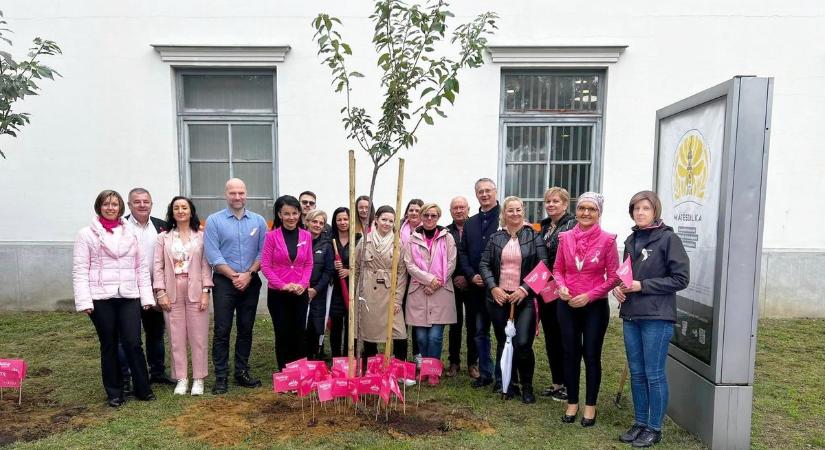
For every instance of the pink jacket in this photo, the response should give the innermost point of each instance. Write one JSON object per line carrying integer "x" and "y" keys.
{"x": 278, "y": 269}
{"x": 598, "y": 271}
{"x": 200, "y": 273}
{"x": 106, "y": 266}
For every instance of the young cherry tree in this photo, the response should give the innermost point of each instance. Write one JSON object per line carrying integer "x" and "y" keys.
{"x": 416, "y": 80}
{"x": 19, "y": 79}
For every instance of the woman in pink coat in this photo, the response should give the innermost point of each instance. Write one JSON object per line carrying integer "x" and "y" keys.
{"x": 585, "y": 270}
{"x": 183, "y": 282}
{"x": 286, "y": 261}
{"x": 430, "y": 257}
{"x": 111, "y": 283}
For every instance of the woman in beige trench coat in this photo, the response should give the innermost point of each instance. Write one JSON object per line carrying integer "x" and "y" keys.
{"x": 375, "y": 294}
{"x": 430, "y": 258}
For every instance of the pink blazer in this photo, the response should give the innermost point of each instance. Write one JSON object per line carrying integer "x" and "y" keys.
{"x": 200, "y": 273}
{"x": 278, "y": 269}
{"x": 598, "y": 272}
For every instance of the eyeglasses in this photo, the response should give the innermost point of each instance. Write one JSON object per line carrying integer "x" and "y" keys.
{"x": 307, "y": 203}
{"x": 430, "y": 216}
{"x": 586, "y": 209}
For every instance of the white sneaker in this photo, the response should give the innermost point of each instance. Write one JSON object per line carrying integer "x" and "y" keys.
{"x": 197, "y": 387}
{"x": 182, "y": 386}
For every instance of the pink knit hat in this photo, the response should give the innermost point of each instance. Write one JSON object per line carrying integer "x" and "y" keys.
{"x": 592, "y": 197}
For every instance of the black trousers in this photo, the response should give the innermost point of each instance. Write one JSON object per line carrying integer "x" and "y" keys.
{"x": 582, "y": 333}
{"x": 118, "y": 320}
{"x": 154, "y": 328}
{"x": 399, "y": 350}
{"x": 338, "y": 335}
{"x": 289, "y": 318}
{"x": 524, "y": 360}
{"x": 552, "y": 340}
{"x": 465, "y": 310}
{"x": 231, "y": 303}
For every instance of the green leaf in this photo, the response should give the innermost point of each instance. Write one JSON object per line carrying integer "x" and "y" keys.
{"x": 426, "y": 91}
{"x": 356, "y": 75}
{"x": 449, "y": 96}
{"x": 427, "y": 119}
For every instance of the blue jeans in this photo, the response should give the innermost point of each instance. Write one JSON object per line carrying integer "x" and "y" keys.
{"x": 430, "y": 340}
{"x": 646, "y": 343}
{"x": 482, "y": 338}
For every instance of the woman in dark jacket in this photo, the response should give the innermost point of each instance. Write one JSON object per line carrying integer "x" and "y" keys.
{"x": 323, "y": 272}
{"x": 511, "y": 253}
{"x": 338, "y": 312}
{"x": 556, "y": 202}
{"x": 648, "y": 308}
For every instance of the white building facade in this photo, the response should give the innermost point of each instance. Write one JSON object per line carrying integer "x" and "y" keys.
{"x": 177, "y": 96}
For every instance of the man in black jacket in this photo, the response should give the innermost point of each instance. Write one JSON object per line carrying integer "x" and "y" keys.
{"x": 477, "y": 231}
{"x": 147, "y": 229}
{"x": 465, "y": 307}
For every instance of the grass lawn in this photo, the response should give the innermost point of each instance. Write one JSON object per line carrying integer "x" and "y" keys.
{"x": 64, "y": 402}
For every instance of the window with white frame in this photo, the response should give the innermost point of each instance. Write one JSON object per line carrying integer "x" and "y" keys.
{"x": 228, "y": 125}
{"x": 551, "y": 127}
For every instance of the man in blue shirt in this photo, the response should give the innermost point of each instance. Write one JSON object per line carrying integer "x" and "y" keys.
{"x": 233, "y": 241}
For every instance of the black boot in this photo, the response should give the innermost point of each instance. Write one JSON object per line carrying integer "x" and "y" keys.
{"x": 220, "y": 386}
{"x": 527, "y": 395}
{"x": 246, "y": 380}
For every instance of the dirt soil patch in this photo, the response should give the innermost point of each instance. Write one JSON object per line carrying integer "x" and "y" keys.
{"x": 264, "y": 418}
{"x": 36, "y": 418}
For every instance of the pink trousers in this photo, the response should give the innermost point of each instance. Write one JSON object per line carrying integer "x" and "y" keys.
{"x": 187, "y": 324}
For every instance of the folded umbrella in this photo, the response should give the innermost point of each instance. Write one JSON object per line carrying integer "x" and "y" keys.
{"x": 507, "y": 355}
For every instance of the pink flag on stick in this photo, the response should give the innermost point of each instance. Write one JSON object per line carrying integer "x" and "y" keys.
{"x": 395, "y": 389}
{"x": 403, "y": 369}
{"x": 375, "y": 364}
{"x": 370, "y": 384}
{"x": 625, "y": 272}
{"x": 340, "y": 367}
{"x": 384, "y": 392}
{"x": 431, "y": 367}
{"x": 340, "y": 387}
{"x": 325, "y": 391}
{"x": 305, "y": 387}
{"x": 538, "y": 277}
{"x": 12, "y": 373}
{"x": 550, "y": 292}
{"x": 301, "y": 365}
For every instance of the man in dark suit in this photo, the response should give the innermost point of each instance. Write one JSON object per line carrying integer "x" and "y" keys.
{"x": 465, "y": 306}
{"x": 477, "y": 231}
{"x": 147, "y": 229}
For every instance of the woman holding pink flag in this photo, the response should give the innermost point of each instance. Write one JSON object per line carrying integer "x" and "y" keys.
{"x": 430, "y": 257}
{"x": 648, "y": 308}
{"x": 585, "y": 270}
{"x": 556, "y": 202}
{"x": 511, "y": 253}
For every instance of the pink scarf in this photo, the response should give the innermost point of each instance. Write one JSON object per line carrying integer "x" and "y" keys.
{"x": 108, "y": 225}
{"x": 438, "y": 257}
{"x": 585, "y": 239}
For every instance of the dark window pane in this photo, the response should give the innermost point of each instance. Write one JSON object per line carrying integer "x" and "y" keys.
{"x": 527, "y": 143}
{"x": 208, "y": 142}
{"x": 571, "y": 143}
{"x": 551, "y": 93}
{"x": 228, "y": 92}
{"x": 208, "y": 179}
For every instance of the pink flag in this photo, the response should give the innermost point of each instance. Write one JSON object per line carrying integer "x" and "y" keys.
{"x": 395, "y": 389}
{"x": 305, "y": 387}
{"x": 403, "y": 369}
{"x": 286, "y": 381}
{"x": 384, "y": 392}
{"x": 625, "y": 272}
{"x": 538, "y": 277}
{"x": 340, "y": 387}
{"x": 375, "y": 364}
{"x": 370, "y": 384}
{"x": 12, "y": 373}
{"x": 318, "y": 369}
{"x": 301, "y": 365}
{"x": 431, "y": 367}
{"x": 340, "y": 367}
{"x": 550, "y": 291}
{"x": 325, "y": 391}
{"x": 353, "y": 389}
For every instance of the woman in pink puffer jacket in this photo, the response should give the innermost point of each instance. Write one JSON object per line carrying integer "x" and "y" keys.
{"x": 111, "y": 282}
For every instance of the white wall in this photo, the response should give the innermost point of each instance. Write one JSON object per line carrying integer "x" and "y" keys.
{"x": 110, "y": 123}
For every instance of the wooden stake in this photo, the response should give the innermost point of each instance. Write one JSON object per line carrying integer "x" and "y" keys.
{"x": 353, "y": 214}
{"x": 396, "y": 253}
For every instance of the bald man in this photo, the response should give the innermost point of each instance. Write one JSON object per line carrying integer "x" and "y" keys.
{"x": 233, "y": 240}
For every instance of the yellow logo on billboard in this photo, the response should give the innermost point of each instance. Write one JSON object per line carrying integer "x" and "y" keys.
{"x": 690, "y": 172}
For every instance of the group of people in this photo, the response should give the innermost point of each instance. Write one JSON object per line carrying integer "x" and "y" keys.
{"x": 469, "y": 274}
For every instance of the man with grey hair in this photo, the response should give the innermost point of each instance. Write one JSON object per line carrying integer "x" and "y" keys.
{"x": 464, "y": 307}
{"x": 477, "y": 231}
{"x": 147, "y": 229}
